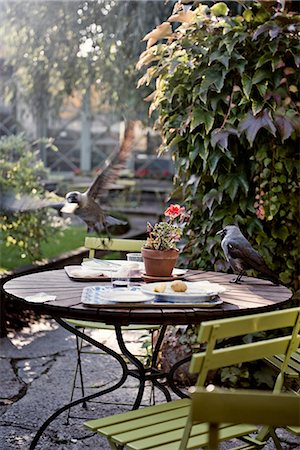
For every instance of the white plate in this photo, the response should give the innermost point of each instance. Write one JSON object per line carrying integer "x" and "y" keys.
{"x": 108, "y": 266}
{"x": 197, "y": 292}
{"x": 98, "y": 295}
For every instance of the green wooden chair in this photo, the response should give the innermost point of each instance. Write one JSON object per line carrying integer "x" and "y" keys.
{"x": 169, "y": 426}
{"x": 93, "y": 244}
{"x": 218, "y": 406}
{"x": 292, "y": 372}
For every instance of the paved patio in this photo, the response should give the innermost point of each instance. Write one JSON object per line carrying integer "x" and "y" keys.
{"x": 36, "y": 372}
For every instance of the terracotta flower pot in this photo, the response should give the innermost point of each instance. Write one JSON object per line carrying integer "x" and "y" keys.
{"x": 159, "y": 263}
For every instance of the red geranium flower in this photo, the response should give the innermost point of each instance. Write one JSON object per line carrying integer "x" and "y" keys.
{"x": 174, "y": 211}
{"x": 165, "y": 235}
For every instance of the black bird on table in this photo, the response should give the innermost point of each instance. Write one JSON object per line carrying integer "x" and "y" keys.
{"x": 241, "y": 255}
{"x": 85, "y": 206}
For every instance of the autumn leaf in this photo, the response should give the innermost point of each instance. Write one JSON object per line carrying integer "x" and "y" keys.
{"x": 182, "y": 16}
{"x": 145, "y": 58}
{"x": 284, "y": 126}
{"x": 162, "y": 31}
{"x": 252, "y": 124}
{"x": 150, "y": 97}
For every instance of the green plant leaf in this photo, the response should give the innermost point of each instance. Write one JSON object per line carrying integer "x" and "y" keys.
{"x": 213, "y": 160}
{"x": 247, "y": 85}
{"x": 257, "y": 106}
{"x": 208, "y": 121}
{"x": 197, "y": 118}
{"x": 260, "y": 75}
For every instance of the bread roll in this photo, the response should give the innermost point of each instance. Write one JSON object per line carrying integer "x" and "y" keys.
{"x": 179, "y": 286}
{"x": 161, "y": 287}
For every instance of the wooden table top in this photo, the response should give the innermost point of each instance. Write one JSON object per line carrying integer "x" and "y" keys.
{"x": 253, "y": 295}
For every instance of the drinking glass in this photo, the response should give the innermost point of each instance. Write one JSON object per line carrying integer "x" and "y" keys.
{"x": 136, "y": 257}
{"x": 120, "y": 278}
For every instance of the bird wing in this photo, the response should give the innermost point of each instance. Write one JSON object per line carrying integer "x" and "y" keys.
{"x": 96, "y": 186}
{"x": 101, "y": 180}
{"x": 245, "y": 252}
{"x": 11, "y": 202}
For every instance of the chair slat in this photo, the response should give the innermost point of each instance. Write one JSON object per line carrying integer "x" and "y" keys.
{"x": 137, "y": 426}
{"x": 144, "y": 412}
{"x": 246, "y": 352}
{"x": 266, "y": 407}
{"x": 293, "y": 369}
{"x": 130, "y": 245}
{"x": 254, "y": 323}
{"x": 199, "y": 437}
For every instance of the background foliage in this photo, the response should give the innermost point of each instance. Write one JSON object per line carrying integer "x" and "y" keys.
{"x": 227, "y": 98}
{"x": 61, "y": 48}
{"x": 21, "y": 173}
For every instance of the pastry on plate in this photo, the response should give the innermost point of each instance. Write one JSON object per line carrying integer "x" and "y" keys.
{"x": 179, "y": 286}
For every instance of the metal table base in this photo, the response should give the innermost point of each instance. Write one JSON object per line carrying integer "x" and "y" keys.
{"x": 140, "y": 372}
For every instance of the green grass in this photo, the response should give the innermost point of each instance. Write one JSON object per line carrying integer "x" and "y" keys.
{"x": 63, "y": 241}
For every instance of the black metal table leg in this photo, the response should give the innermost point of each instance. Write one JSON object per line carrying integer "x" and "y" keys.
{"x": 105, "y": 349}
{"x": 139, "y": 372}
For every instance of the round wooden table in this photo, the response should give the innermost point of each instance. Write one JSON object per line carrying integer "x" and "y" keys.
{"x": 251, "y": 296}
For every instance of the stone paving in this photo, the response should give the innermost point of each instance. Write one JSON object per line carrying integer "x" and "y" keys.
{"x": 36, "y": 369}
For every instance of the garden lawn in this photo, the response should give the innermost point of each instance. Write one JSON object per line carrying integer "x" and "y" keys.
{"x": 66, "y": 240}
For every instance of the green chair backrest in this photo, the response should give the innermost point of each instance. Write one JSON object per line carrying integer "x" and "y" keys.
{"x": 251, "y": 407}
{"x": 122, "y": 245}
{"x": 238, "y": 351}
{"x": 212, "y": 331}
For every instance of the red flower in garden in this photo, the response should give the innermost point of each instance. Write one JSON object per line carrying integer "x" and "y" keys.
{"x": 165, "y": 235}
{"x": 174, "y": 211}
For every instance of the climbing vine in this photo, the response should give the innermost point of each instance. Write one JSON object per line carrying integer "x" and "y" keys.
{"x": 228, "y": 109}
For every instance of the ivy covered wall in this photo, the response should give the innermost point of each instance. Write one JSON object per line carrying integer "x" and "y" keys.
{"x": 228, "y": 108}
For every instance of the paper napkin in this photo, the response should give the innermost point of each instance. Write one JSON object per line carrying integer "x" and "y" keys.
{"x": 40, "y": 297}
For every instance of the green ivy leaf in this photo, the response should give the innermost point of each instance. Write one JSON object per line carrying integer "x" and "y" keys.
{"x": 262, "y": 89}
{"x": 247, "y": 85}
{"x": 197, "y": 119}
{"x": 213, "y": 160}
{"x": 260, "y": 75}
{"x": 248, "y": 15}
{"x": 212, "y": 196}
{"x": 265, "y": 58}
{"x": 232, "y": 186}
{"x": 209, "y": 119}
{"x": 221, "y": 57}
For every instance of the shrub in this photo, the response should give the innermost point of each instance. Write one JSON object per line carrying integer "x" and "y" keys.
{"x": 21, "y": 173}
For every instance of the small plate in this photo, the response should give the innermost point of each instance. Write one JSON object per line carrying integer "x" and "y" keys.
{"x": 197, "y": 292}
{"x": 100, "y": 295}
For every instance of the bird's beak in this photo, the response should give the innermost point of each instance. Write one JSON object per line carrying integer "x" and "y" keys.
{"x": 69, "y": 208}
{"x": 219, "y": 232}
